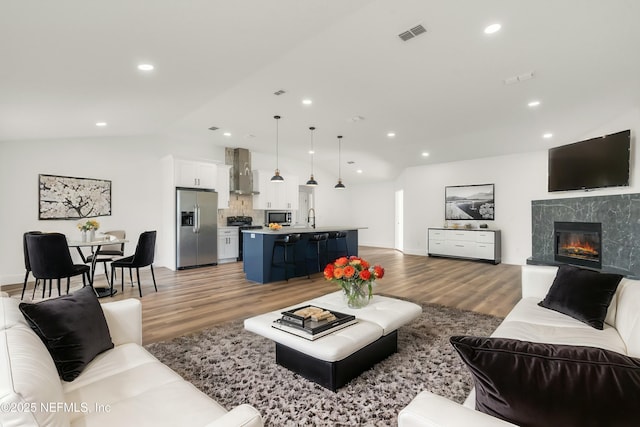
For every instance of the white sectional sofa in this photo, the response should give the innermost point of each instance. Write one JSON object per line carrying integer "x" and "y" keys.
{"x": 124, "y": 386}
{"x": 530, "y": 322}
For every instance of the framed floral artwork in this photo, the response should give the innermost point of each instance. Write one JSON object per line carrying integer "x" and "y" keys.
{"x": 65, "y": 197}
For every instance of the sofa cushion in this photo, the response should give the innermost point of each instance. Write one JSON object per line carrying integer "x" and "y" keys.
{"x": 538, "y": 384}
{"x": 582, "y": 294}
{"x": 528, "y": 321}
{"x": 73, "y": 328}
{"x": 133, "y": 388}
{"x": 28, "y": 376}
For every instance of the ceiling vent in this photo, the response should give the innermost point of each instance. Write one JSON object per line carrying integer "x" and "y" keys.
{"x": 279, "y": 92}
{"x": 412, "y": 32}
{"x": 213, "y": 128}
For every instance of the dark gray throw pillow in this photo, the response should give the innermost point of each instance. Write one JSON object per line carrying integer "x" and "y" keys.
{"x": 72, "y": 327}
{"x": 582, "y": 294}
{"x": 535, "y": 384}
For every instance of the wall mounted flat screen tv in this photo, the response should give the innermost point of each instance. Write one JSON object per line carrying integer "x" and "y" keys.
{"x": 594, "y": 163}
{"x": 469, "y": 202}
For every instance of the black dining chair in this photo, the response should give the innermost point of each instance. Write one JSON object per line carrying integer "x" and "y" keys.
{"x": 27, "y": 264}
{"x": 108, "y": 253}
{"x": 49, "y": 259}
{"x": 143, "y": 257}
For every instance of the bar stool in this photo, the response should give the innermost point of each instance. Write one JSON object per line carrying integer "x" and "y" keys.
{"x": 285, "y": 242}
{"x": 316, "y": 240}
{"x": 338, "y": 238}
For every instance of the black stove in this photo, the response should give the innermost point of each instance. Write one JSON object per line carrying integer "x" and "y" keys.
{"x": 239, "y": 221}
{"x": 244, "y": 223}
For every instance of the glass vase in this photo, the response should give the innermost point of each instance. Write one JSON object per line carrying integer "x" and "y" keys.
{"x": 356, "y": 294}
{"x": 91, "y": 235}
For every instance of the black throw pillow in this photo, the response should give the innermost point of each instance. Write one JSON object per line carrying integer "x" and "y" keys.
{"x": 534, "y": 384}
{"x": 72, "y": 327}
{"x": 582, "y": 294}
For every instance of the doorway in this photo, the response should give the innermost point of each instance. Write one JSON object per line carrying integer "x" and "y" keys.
{"x": 399, "y": 220}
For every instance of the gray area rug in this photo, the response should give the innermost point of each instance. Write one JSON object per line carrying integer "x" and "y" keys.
{"x": 234, "y": 366}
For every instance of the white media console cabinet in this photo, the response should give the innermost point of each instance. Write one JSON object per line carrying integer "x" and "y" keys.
{"x": 480, "y": 244}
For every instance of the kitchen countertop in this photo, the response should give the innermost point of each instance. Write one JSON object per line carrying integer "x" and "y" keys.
{"x": 296, "y": 229}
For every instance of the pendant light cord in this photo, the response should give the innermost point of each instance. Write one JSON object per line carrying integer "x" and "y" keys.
{"x": 312, "y": 152}
{"x": 340, "y": 158}
{"x": 277, "y": 142}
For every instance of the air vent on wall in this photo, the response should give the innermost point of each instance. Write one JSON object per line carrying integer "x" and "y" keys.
{"x": 413, "y": 32}
{"x": 214, "y": 128}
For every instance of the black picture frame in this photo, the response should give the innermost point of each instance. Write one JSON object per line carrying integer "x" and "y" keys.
{"x": 67, "y": 197}
{"x": 469, "y": 202}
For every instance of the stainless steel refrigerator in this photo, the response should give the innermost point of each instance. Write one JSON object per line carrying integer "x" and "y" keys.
{"x": 197, "y": 228}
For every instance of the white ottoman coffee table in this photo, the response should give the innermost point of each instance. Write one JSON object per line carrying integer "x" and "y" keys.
{"x": 335, "y": 359}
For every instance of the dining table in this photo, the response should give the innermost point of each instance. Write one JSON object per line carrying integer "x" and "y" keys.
{"x": 94, "y": 246}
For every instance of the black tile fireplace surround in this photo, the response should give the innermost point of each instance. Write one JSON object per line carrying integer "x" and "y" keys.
{"x": 619, "y": 216}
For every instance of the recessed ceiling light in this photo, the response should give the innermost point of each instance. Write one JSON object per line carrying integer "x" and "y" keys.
{"x": 547, "y": 135}
{"x": 391, "y": 134}
{"x": 533, "y": 103}
{"x": 145, "y": 67}
{"x": 307, "y": 101}
{"x": 425, "y": 154}
{"x": 493, "y": 28}
{"x": 359, "y": 171}
{"x": 227, "y": 134}
{"x": 101, "y": 124}
{"x": 311, "y": 152}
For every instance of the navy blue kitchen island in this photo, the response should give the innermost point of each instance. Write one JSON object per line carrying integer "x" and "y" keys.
{"x": 258, "y": 249}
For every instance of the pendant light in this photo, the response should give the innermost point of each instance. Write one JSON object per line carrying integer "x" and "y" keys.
{"x": 340, "y": 185}
{"x": 312, "y": 182}
{"x": 277, "y": 177}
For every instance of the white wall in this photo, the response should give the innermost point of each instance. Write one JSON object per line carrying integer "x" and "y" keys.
{"x": 518, "y": 180}
{"x": 373, "y": 206}
{"x": 132, "y": 164}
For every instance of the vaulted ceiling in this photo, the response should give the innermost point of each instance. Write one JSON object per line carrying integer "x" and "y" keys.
{"x": 452, "y": 91}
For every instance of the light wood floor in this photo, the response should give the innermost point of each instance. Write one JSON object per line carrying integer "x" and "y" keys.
{"x": 191, "y": 300}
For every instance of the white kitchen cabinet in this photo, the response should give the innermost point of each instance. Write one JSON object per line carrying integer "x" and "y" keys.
{"x": 223, "y": 186}
{"x": 194, "y": 174}
{"x": 479, "y": 244}
{"x": 228, "y": 244}
{"x": 282, "y": 195}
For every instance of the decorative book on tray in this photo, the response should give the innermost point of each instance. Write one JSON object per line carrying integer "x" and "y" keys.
{"x": 312, "y": 322}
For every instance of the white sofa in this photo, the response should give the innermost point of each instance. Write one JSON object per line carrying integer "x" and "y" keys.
{"x": 530, "y": 322}
{"x": 124, "y": 386}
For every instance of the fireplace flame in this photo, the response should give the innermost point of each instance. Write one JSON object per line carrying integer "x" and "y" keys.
{"x": 579, "y": 248}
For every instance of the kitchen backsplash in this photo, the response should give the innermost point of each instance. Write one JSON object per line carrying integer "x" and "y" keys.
{"x": 240, "y": 205}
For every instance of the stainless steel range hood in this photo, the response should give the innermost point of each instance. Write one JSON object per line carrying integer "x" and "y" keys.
{"x": 241, "y": 179}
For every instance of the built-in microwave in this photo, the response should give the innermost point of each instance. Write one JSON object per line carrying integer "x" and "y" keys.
{"x": 278, "y": 217}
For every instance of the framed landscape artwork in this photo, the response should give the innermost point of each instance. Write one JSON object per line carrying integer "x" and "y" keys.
{"x": 470, "y": 202}
{"x": 65, "y": 197}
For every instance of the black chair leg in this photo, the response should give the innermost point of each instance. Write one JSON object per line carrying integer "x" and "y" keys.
{"x": 122, "y": 278}
{"x": 58, "y": 282}
{"x": 105, "y": 270}
{"x": 35, "y": 286}
{"x": 68, "y": 283}
{"x": 24, "y": 286}
{"x": 153, "y": 276}
{"x": 138, "y": 277}
{"x": 131, "y": 277}
{"x": 113, "y": 269}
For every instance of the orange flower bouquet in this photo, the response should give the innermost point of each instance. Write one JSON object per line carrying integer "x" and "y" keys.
{"x": 355, "y": 276}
